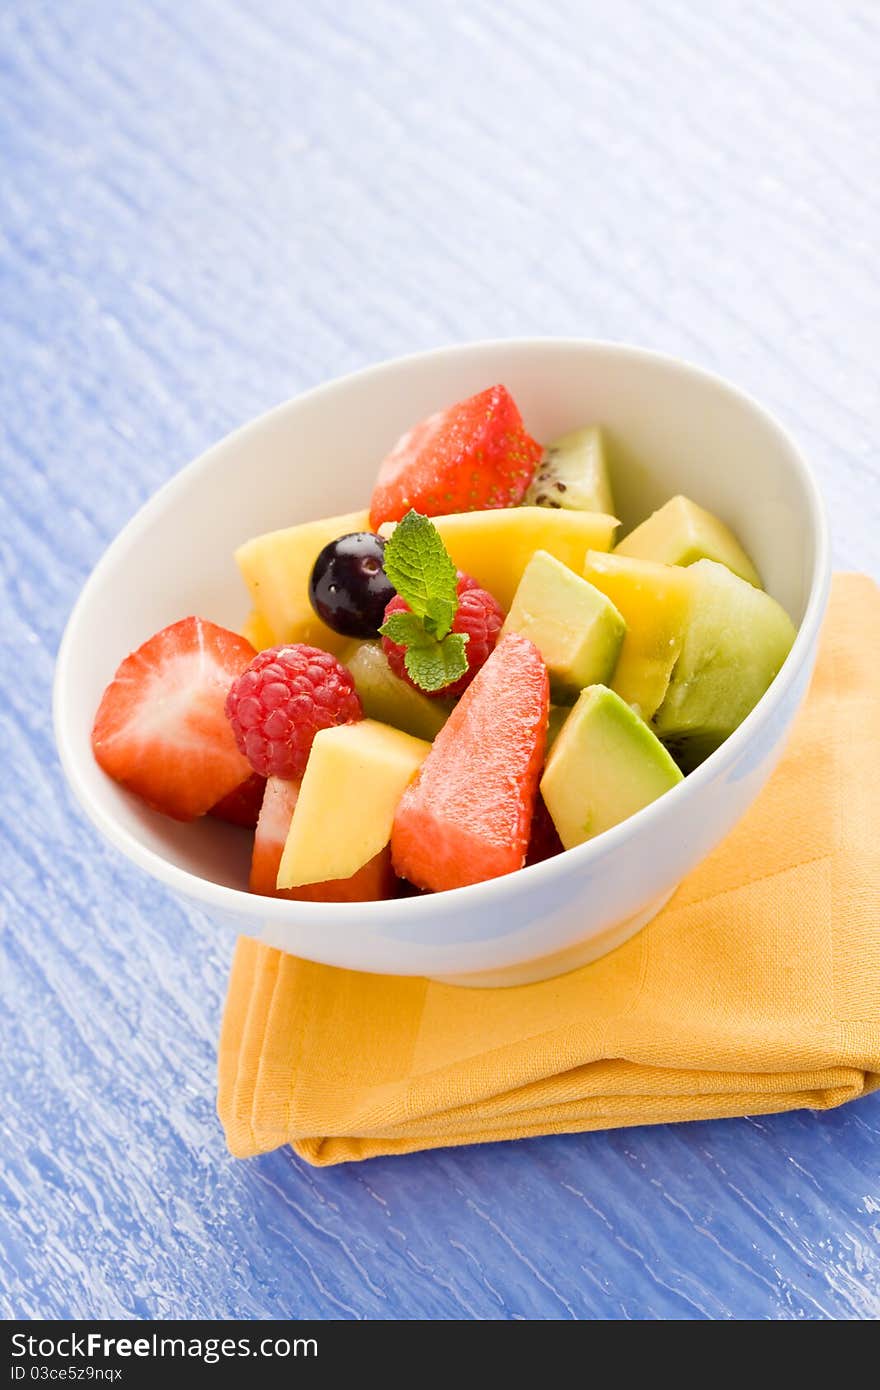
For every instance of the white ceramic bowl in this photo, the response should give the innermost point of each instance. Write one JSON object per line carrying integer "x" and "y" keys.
{"x": 672, "y": 428}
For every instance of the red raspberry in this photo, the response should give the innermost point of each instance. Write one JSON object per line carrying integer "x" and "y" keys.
{"x": 280, "y": 702}
{"x": 479, "y": 615}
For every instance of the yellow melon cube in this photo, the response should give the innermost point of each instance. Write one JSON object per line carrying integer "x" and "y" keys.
{"x": 354, "y": 778}
{"x": 276, "y": 568}
{"x": 257, "y": 631}
{"x": 680, "y": 533}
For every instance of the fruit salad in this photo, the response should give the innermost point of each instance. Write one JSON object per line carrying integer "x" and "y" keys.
{"x": 472, "y": 675}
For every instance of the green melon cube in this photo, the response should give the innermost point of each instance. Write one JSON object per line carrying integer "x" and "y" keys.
{"x": 390, "y": 700}
{"x": 605, "y": 765}
{"x": 577, "y": 630}
{"x": 736, "y": 638}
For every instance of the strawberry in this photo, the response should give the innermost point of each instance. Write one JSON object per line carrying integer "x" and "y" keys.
{"x": 474, "y": 456}
{"x": 242, "y": 806}
{"x": 161, "y": 729}
{"x": 544, "y": 841}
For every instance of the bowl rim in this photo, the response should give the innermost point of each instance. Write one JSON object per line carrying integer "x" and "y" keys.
{"x": 492, "y": 893}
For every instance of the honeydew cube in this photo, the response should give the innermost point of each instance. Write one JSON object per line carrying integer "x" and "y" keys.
{"x": 389, "y": 699}
{"x": 735, "y": 639}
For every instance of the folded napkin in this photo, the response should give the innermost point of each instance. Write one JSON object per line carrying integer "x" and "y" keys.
{"x": 756, "y": 989}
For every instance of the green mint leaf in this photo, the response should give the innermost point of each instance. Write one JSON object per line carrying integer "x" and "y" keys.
{"x": 418, "y": 565}
{"x": 438, "y": 665}
{"x": 407, "y": 631}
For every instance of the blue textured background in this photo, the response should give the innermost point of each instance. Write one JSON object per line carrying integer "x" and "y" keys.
{"x": 207, "y": 207}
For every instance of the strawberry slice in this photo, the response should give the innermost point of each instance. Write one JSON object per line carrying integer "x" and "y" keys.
{"x": 475, "y": 456}
{"x": 161, "y": 729}
{"x": 468, "y": 815}
{"x": 374, "y": 881}
{"x": 544, "y": 842}
{"x": 242, "y": 806}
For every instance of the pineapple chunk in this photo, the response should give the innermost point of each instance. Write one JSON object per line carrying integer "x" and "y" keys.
{"x": 495, "y": 546}
{"x": 654, "y": 601}
{"x": 257, "y": 631}
{"x": 354, "y": 778}
{"x": 276, "y": 568}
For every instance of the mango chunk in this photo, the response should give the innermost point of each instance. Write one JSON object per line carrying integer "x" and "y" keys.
{"x": 257, "y": 631}
{"x": 495, "y": 546}
{"x": 653, "y": 600}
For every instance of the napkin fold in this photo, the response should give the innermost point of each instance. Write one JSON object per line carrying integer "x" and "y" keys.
{"x": 757, "y": 989}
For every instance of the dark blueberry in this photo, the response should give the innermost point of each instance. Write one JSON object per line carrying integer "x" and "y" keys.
{"x": 349, "y": 590}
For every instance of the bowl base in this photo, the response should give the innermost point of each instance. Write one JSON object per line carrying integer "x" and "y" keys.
{"x": 529, "y": 972}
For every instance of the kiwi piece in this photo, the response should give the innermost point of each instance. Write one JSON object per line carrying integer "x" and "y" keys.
{"x": 573, "y": 474}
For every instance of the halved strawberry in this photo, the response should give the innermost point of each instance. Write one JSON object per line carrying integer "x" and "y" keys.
{"x": 242, "y": 806}
{"x": 371, "y": 883}
{"x": 161, "y": 729}
{"x": 474, "y": 456}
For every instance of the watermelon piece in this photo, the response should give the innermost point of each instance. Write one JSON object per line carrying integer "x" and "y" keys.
{"x": 468, "y": 815}
{"x": 371, "y": 883}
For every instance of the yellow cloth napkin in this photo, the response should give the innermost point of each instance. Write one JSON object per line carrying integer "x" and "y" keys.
{"x": 756, "y": 989}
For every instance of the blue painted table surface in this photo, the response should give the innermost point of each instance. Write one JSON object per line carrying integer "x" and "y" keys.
{"x": 207, "y": 207}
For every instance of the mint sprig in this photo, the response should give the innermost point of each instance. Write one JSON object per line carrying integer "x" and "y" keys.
{"x": 421, "y": 570}
{"x": 436, "y": 666}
